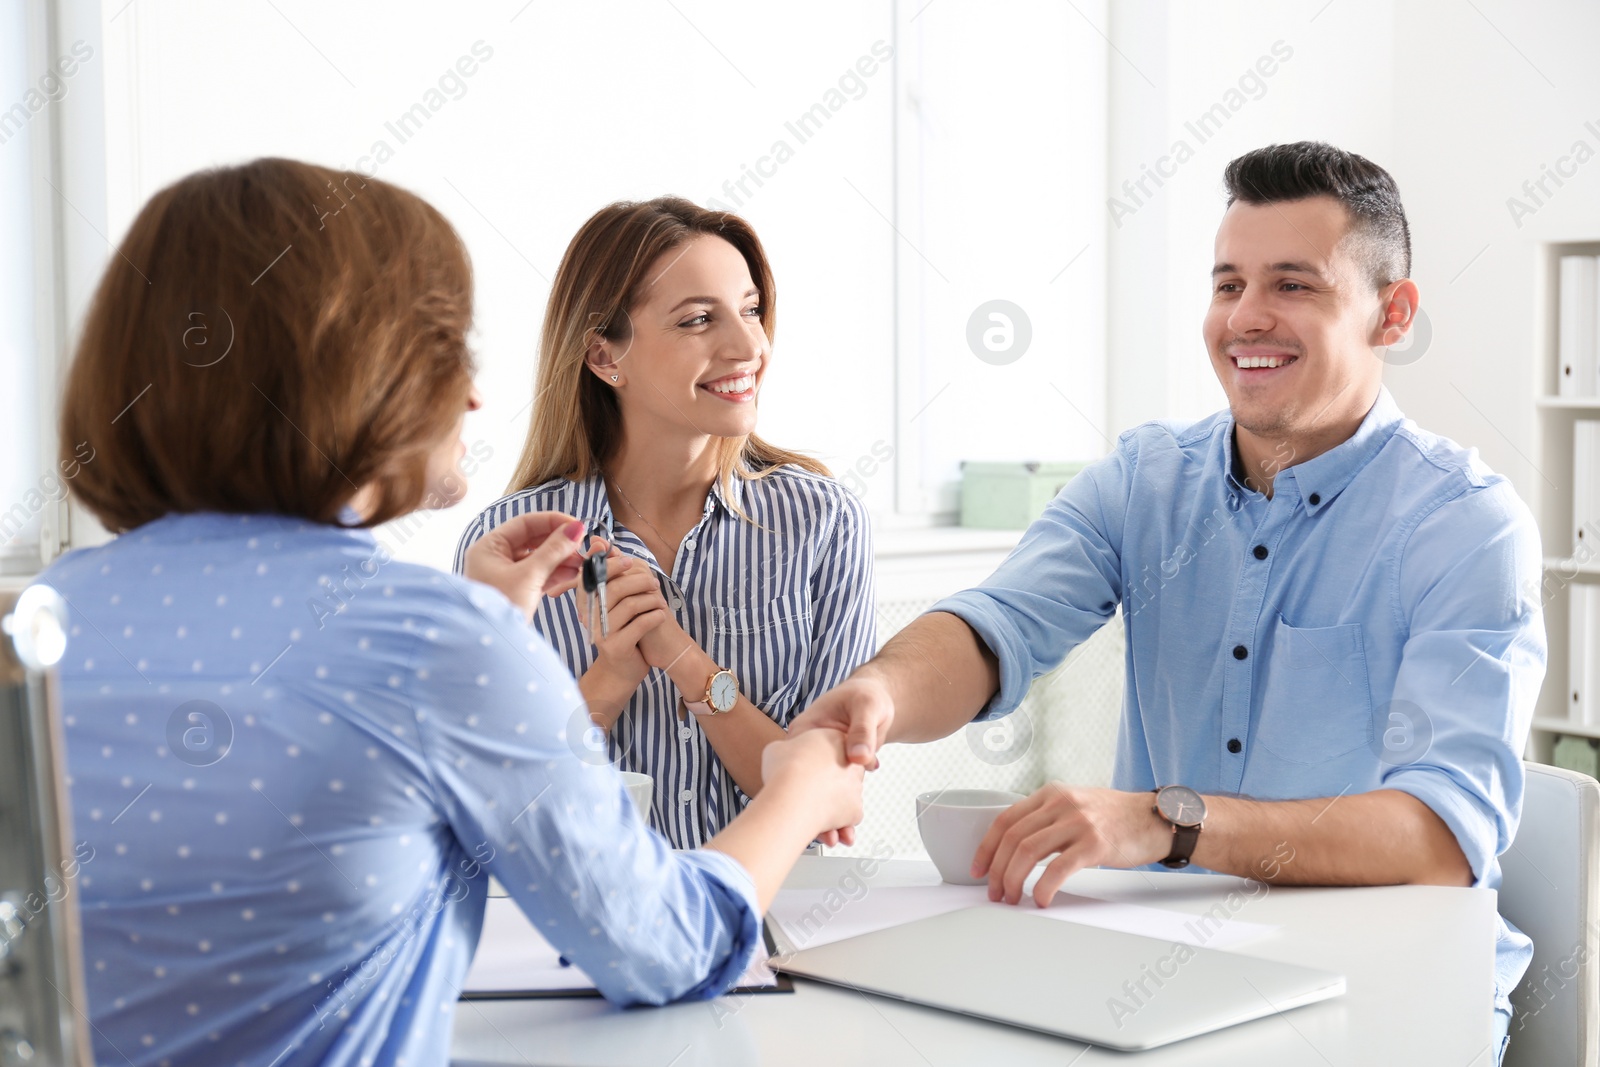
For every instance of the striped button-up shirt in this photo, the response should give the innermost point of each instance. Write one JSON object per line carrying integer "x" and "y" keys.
{"x": 783, "y": 599}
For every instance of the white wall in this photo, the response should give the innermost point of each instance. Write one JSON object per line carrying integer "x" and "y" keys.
{"x": 1324, "y": 74}
{"x": 1485, "y": 100}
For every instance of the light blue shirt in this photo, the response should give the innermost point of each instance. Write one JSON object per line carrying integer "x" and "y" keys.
{"x": 782, "y": 596}
{"x": 1374, "y": 625}
{"x": 294, "y": 759}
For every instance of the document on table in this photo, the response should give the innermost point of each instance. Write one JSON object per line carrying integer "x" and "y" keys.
{"x": 807, "y": 918}
{"x": 514, "y": 961}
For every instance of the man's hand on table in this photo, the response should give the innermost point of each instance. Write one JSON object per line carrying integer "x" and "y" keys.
{"x": 1088, "y": 827}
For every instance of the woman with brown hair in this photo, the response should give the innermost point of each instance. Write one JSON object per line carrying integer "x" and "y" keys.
{"x": 293, "y": 758}
{"x": 751, "y": 591}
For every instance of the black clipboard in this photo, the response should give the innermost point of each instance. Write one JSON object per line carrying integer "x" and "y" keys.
{"x": 784, "y": 983}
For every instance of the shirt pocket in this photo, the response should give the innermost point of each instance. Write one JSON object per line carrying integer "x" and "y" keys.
{"x": 1316, "y": 704}
{"x": 768, "y": 646}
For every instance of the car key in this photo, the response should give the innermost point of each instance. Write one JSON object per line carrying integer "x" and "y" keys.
{"x": 594, "y": 584}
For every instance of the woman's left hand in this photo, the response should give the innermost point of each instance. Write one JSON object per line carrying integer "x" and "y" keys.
{"x": 533, "y": 556}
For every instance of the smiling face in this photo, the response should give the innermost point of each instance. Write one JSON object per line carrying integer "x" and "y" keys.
{"x": 1293, "y": 320}
{"x": 696, "y": 354}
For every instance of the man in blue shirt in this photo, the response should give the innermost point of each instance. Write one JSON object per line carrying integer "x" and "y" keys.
{"x": 1333, "y": 652}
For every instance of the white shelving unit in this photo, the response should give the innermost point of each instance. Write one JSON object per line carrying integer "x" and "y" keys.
{"x": 1553, "y": 504}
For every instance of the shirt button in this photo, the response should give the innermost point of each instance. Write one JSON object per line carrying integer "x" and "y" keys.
{"x": 1234, "y": 745}
{"x": 1261, "y": 552}
{"x": 689, "y": 544}
{"x": 1240, "y": 652}
{"x": 686, "y": 796}
{"x": 683, "y": 733}
{"x": 1315, "y": 499}
{"x": 677, "y": 605}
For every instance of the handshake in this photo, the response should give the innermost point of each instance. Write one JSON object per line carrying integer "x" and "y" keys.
{"x": 848, "y": 723}
{"x": 808, "y": 773}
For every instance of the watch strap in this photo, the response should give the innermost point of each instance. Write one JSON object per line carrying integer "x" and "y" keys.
{"x": 1184, "y": 840}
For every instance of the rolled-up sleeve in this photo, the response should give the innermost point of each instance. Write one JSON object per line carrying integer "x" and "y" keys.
{"x": 1472, "y": 666}
{"x": 498, "y": 715}
{"x": 1060, "y": 584}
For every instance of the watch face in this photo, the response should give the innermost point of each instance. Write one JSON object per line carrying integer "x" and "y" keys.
{"x": 1181, "y": 805}
{"x": 724, "y": 691}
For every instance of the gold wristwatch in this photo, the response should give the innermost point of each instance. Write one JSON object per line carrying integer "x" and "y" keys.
{"x": 722, "y": 693}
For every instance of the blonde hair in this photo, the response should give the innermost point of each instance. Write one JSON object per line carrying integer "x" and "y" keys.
{"x": 577, "y": 421}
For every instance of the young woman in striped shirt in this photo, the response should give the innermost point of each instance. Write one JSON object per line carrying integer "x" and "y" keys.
{"x": 756, "y": 595}
{"x": 251, "y": 673}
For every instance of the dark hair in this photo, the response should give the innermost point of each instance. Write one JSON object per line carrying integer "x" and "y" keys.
{"x": 270, "y": 337}
{"x": 1304, "y": 169}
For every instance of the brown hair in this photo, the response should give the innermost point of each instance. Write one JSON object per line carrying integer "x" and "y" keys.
{"x": 271, "y": 337}
{"x": 576, "y": 419}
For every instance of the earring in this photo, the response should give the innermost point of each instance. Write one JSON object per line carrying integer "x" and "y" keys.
{"x": 613, "y": 377}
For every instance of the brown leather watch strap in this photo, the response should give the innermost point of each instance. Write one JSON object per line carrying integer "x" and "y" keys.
{"x": 1184, "y": 840}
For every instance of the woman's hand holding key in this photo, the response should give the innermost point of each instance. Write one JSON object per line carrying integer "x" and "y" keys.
{"x": 635, "y": 607}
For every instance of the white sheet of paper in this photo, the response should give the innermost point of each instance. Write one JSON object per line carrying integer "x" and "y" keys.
{"x": 811, "y": 917}
{"x": 513, "y": 956}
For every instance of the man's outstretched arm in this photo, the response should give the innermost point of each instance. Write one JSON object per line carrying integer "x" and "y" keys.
{"x": 1057, "y": 587}
{"x": 927, "y": 682}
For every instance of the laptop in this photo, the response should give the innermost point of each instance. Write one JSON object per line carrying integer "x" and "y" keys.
{"x": 1123, "y": 991}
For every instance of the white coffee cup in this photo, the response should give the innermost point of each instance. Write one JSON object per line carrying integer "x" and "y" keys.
{"x": 640, "y": 788}
{"x": 952, "y": 823}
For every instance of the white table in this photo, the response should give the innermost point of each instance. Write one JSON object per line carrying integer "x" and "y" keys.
{"x": 1418, "y": 959}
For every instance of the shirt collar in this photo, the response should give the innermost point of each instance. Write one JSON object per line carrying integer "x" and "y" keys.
{"x": 732, "y": 497}
{"x": 198, "y": 526}
{"x": 1324, "y": 477}
{"x": 350, "y": 522}
{"x": 590, "y": 503}
{"x": 593, "y": 505}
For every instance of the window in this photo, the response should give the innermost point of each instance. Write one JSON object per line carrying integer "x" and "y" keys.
{"x": 31, "y": 490}
{"x": 905, "y": 163}
{"x": 1000, "y": 266}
